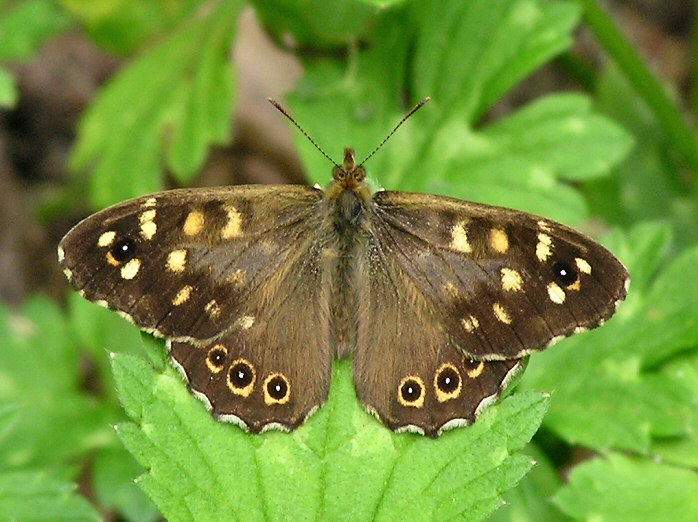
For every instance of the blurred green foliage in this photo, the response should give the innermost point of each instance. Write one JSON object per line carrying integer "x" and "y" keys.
{"x": 627, "y": 392}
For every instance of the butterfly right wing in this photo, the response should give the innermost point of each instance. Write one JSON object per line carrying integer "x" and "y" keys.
{"x": 504, "y": 283}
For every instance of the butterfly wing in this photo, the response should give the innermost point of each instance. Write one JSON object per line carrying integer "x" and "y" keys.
{"x": 407, "y": 370}
{"x": 453, "y": 294}
{"x": 216, "y": 271}
{"x": 273, "y": 367}
{"x": 504, "y": 283}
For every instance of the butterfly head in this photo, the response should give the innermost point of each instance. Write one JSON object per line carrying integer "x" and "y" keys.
{"x": 349, "y": 175}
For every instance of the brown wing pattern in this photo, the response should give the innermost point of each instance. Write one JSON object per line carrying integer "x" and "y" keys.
{"x": 234, "y": 278}
{"x": 273, "y": 368}
{"x": 181, "y": 263}
{"x": 407, "y": 369}
{"x": 504, "y": 283}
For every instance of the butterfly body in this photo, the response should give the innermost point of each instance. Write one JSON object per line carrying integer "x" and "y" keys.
{"x": 257, "y": 288}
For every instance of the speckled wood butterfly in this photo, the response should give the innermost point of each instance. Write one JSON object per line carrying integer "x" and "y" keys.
{"x": 256, "y": 288}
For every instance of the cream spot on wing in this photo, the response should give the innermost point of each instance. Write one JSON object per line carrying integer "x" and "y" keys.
{"x": 246, "y": 322}
{"x": 148, "y": 226}
{"x": 177, "y": 260}
{"x": 499, "y": 241}
{"x": 212, "y": 309}
{"x": 130, "y": 269}
{"x": 511, "y": 280}
{"x": 194, "y": 223}
{"x": 182, "y": 296}
{"x": 61, "y": 254}
{"x": 583, "y": 265}
{"x": 556, "y": 294}
{"x": 238, "y": 278}
{"x": 470, "y": 323}
{"x": 459, "y": 238}
{"x": 68, "y": 273}
{"x": 106, "y": 239}
{"x": 544, "y": 247}
{"x": 451, "y": 290}
{"x": 102, "y": 303}
{"x": 150, "y": 202}
{"x": 544, "y": 225}
{"x": 501, "y": 314}
{"x": 233, "y": 227}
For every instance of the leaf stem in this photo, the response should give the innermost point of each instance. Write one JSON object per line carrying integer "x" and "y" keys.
{"x": 643, "y": 81}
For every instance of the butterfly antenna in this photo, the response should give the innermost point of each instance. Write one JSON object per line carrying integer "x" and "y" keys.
{"x": 403, "y": 120}
{"x": 292, "y": 120}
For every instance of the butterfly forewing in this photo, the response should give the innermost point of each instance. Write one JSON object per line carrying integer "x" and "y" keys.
{"x": 181, "y": 263}
{"x": 502, "y": 283}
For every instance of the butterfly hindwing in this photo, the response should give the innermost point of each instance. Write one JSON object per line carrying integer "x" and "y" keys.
{"x": 273, "y": 367}
{"x": 503, "y": 283}
{"x": 407, "y": 369}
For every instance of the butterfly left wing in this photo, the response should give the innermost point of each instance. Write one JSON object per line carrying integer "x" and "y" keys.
{"x": 180, "y": 263}
{"x": 503, "y": 283}
{"x": 233, "y": 279}
{"x": 272, "y": 369}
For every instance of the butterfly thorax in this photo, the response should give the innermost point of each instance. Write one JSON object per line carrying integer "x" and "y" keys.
{"x": 349, "y": 192}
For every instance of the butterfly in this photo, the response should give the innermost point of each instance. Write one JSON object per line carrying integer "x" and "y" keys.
{"x": 256, "y": 290}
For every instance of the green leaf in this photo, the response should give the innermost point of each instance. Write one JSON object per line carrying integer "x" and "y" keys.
{"x": 382, "y": 3}
{"x": 682, "y": 451}
{"x": 121, "y": 26}
{"x": 519, "y": 161}
{"x": 40, "y": 376}
{"x": 34, "y": 495}
{"x": 317, "y": 23}
{"x": 516, "y": 162}
{"x": 8, "y": 90}
{"x": 649, "y": 181}
{"x": 610, "y": 387}
{"x": 530, "y": 499}
{"x": 318, "y": 472}
{"x": 177, "y": 112}
{"x": 113, "y": 472}
{"x": 471, "y": 53}
{"x": 624, "y": 488}
{"x": 27, "y": 25}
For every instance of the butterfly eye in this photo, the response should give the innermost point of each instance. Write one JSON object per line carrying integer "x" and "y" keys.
{"x": 215, "y": 360}
{"x": 411, "y": 392}
{"x": 277, "y": 389}
{"x": 447, "y": 382}
{"x": 123, "y": 250}
{"x": 565, "y": 274}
